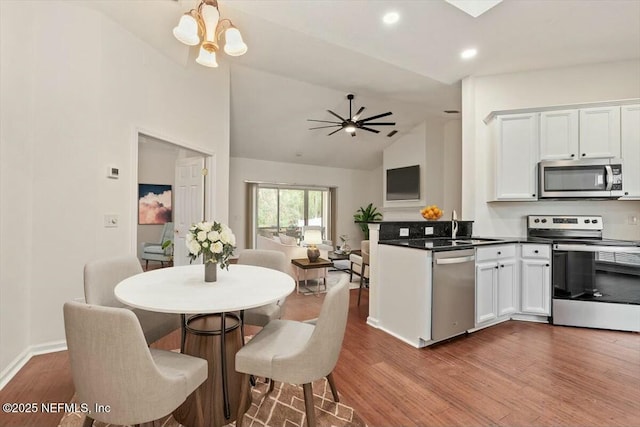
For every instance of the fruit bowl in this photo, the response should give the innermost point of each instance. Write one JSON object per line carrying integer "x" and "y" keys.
{"x": 431, "y": 213}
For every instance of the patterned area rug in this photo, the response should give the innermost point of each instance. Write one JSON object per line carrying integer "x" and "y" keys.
{"x": 284, "y": 407}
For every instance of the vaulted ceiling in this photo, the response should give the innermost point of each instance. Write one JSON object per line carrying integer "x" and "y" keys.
{"x": 305, "y": 56}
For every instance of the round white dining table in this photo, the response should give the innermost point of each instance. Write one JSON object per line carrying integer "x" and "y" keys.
{"x": 183, "y": 289}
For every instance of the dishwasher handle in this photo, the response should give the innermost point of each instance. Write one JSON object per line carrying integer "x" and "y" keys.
{"x": 458, "y": 260}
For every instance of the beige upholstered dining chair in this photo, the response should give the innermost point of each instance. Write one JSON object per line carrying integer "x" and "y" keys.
{"x": 360, "y": 265}
{"x": 100, "y": 279}
{"x": 275, "y": 260}
{"x": 111, "y": 364}
{"x": 298, "y": 352}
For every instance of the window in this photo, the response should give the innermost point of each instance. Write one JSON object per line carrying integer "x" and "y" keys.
{"x": 285, "y": 210}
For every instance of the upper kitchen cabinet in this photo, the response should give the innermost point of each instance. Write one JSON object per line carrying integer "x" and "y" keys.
{"x": 600, "y": 132}
{"x": 516, "y": 156}
{"x": 559, "y": 135}
{"x": 630, "y": 139}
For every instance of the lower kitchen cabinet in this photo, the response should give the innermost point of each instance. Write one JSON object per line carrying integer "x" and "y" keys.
{"x": 536, "y": 280}
{"x": 496, "y": 283}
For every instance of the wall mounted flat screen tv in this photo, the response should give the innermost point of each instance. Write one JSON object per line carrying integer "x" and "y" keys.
{"x": 403, "y": 183}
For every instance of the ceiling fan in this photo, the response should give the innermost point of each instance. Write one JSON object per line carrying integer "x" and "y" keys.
{"x": 353, "y": 121}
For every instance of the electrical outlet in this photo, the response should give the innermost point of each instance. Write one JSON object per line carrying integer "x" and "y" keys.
{"x": 404, "y": 232}
{"x": 111, "y": 221}
{"x": 632, "y": 220}
{"x": 428, "y": 231}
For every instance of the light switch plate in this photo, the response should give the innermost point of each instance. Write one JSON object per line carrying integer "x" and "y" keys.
{"x": 111, "y": 221}
{"x": 428, "y": 231}
{"x": 404, "y": 232}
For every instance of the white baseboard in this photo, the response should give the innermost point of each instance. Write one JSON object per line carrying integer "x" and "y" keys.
{"x": 372, "y": 321}
{"x": 18, "y": 363}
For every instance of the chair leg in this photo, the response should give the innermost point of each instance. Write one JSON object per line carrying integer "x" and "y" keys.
{"x": 88, "y": 421}
{"x": 183, "y": 332}
{"x": 200, "y": 408}
{"x": 351, "y": 272}
{"x": 334, "y": 390}
{"x": 146, "y": 266}
{"x": 361, "y": 283}
{"x": 308, "y": 405}
{"x": 244, "y": 393}
{"x": 272, "y": 385}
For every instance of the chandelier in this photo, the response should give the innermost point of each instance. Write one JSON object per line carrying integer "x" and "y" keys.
{"x": 203, "y": 26}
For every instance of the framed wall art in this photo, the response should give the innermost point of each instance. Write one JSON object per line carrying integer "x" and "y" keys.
{"x": 154, "y": 204}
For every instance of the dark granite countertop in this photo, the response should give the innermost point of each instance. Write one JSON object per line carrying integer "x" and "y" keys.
{"x": 448, "y": 244}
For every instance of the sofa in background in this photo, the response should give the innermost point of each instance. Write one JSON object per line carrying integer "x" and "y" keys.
{"x": 291, "y": 250}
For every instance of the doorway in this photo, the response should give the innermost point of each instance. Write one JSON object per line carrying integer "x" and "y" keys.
{"x": 177, "y": 173}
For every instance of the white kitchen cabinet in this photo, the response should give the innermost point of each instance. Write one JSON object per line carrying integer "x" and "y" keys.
{"x": 496, "y": 280}
{"x": 486, "y": 291}
{"x": 516, "y": 156}
{"x": 630, "y": 142}
{"x": 559, "y": 132}
{"x": 535, "y": 271}
{"x": 600, "y": 132}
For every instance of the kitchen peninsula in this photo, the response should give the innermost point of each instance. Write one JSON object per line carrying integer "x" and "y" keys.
{"x": 427, "y": 286}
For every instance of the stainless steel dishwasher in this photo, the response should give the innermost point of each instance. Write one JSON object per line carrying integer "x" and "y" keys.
{"x": 454, "y": 295}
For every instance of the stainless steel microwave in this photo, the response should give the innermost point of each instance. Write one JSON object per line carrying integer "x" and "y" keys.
{"x": 576, "y": 179}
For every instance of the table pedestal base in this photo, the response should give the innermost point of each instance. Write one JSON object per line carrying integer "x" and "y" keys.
{"x": 204, "y": 339}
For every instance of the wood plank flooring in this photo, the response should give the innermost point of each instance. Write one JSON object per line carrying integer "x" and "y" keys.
{"x": 512, "y": 374}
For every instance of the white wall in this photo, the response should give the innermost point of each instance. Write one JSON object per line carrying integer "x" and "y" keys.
{"x": 355, "y": 188}
{"x": 436, "y": 146}
{"x": 75, "y": 87}
{"x": 484, "y": 94}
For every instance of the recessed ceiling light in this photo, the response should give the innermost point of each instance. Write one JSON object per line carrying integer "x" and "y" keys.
{"x": 469, "y": 53}
{"x": 391, "y": 18}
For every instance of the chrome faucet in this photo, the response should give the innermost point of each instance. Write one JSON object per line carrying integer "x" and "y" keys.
{"x": 454, "y": 224}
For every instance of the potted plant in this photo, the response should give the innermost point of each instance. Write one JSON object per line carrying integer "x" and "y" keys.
{"x": 366, "y": 215}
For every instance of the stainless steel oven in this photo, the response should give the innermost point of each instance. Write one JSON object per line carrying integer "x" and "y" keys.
{"x": 589, "y": 178}
{"x": 596, "y": 281}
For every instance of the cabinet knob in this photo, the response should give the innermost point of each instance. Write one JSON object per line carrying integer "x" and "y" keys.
{"x": 546, "y": 265}
{"x": 573, "y": 155}
{"x": 502, "y": 266}
{"x": 626, "y": 193}
{"x": 496, "y": 267}
{"x": 499, "y": 253}
{"x": 584, "y": 154}
{"x": 535, "y": 252}
{"x": 533, "y": 195}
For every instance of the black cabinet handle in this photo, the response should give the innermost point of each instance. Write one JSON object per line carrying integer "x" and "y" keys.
{"x": 546, "y": 265}
{"x": 533, "y": 195}
{"x": 626, "y": 193}
{"x": 573, "y": 155}
{"x": 584, "y": 154}
{"x": 502, "y": 266}
{"x": 496, "y": 267}
{"x": 499, "y": 253}
{"x": 535, "y": 252}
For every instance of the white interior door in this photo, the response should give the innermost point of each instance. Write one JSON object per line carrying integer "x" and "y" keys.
{"x": 189, "y": 201}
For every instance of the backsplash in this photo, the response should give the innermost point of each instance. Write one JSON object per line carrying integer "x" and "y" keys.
{"x": 391, "y": 230}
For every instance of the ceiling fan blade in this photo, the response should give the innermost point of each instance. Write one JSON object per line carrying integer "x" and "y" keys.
{"x": 388, "y": 113}
{"x": 322, "y": 127}
{"x": 369, "y": 129}
{"x": 331, "y": 112}
{"x": 354, "y": 118}
{"x": 380, "y": 124}
{"x": 323, "y": 121}
{"x": 339, "y": 129}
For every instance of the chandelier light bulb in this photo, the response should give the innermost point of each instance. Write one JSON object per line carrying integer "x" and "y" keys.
{"x": 187, "y": 30}
{"x": 210, "y": 16}
{"x": 234, "y": 45}
{"x": 206, "y": 58}
{"x": 350, "y": 128}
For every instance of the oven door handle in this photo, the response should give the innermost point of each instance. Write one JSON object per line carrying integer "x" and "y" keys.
{"x": 609, "y": 178}
{"x": 596, "y": 248}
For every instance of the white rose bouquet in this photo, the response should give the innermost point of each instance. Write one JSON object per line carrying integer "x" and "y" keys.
{"x": 214, "y": 240}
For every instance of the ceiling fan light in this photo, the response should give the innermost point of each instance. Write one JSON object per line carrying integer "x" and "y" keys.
{"x": 206, "y": 58}
{"x": 350, "y": 128}
{"x": 234, "y": 45}
{"x": 187, "y": 30}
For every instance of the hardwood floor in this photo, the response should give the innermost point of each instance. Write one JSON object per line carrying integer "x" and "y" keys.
{"x": 512, "y": 374}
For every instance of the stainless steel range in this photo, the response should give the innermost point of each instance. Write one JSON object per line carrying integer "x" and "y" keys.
{"x": 596, "y": 281}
